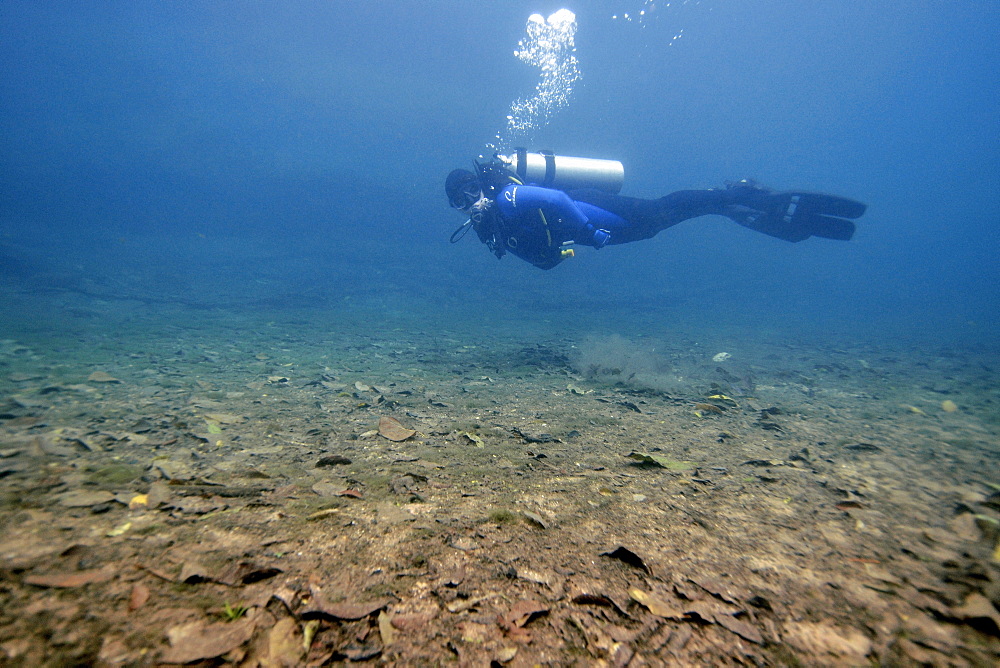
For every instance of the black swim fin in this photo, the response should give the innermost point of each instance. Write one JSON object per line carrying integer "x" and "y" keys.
{"x": 829, "y": 227}
{"x": 793, "y": 216}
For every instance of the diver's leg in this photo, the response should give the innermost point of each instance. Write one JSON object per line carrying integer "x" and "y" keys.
{"x": 792, "y": 216}
{"x": 644, "y": 218}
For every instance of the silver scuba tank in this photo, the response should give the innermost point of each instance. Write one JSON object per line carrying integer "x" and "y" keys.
{"x": 565, "y": 172}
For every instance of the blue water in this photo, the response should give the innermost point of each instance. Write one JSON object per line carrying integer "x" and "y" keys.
{"x": 240, "y": 154}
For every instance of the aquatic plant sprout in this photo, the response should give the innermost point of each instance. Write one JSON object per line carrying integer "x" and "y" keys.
{"x": 548, "y": 46}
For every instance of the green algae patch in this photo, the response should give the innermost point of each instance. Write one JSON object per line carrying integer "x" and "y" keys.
{"x": 115, "y": 474}
{"x": 503, "y": 517}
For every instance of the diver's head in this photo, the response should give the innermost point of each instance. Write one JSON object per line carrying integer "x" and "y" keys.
{"x": 463, "y": 189}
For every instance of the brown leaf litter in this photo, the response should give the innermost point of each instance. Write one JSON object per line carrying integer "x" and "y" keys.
{"x": 252, "y": 509}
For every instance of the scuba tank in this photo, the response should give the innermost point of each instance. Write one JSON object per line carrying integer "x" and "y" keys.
{"x": 562, "y": 172}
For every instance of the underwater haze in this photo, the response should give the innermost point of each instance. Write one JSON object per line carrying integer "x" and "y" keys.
{"x": 236, "y": 154}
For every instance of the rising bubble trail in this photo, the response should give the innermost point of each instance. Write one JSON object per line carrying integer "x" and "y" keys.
{"x": 548, "y": 46}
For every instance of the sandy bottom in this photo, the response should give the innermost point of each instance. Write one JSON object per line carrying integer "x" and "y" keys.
{"x": 312, "y": 488}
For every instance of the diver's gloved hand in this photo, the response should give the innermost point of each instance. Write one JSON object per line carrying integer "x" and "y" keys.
{"x": 601, "y": 238}
{"x": 792, "y": 216}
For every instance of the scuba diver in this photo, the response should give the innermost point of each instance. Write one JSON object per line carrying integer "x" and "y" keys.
{"x": 537, "y": 205}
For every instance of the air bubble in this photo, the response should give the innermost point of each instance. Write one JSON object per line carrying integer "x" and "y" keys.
{"x": 548, "y": 46}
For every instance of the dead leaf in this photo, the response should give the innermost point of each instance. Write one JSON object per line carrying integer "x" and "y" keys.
{"x": 474, "y": 439}
{"x": 328, "y": 488}
{"x": 535, "y": 576}
{"x": 196, "y": 641}
{"x": 601, "y": 641}
{"x": 385, "y": 628}
{"x": 849, "y": 645}
{"x": 70, "y": 580}
{"x": 848, "y": 505}
{"x": 284, "y": 646}
{"x": 163, "y": 575}
{"x": 244, "y": 573}
{"x": 344, "y": 611}
{"x": 412, "y": 622}
{"x": 535, "y": 519}
{"x": 656, "y": 605}
{"x": 524, "y": 611}
{"x": 365, "y": 652}
{"x": 22, "y": 377}
{"x": 454, "y": 577}
{"x": 224, "y": 418}
{"x": 474, "y": 632}
{"x": 704, "y": 610}
{"x": 349, "y": 611}
{"x": 138, "y": 597}
{"x": 629, "y": 557}
{"x": 863, "y": 447}
{"x": 158, "y": 494}
{"x": 463, "y": 604}
{"x": 514, "y": 621}
{"x": 603, "y": 600}
{"x": 463, "y": 543}
{"x": 391, "y": 429}
{"x": 192, "y": 573}
{"x": 716, "y": 588}
{"x": 84, "y": 498}
{"x": 199, "y": 506}
{"x": 977, "y": 611}
{"x": 506, "y": 654}
{"x": 739, "y": 627}
{"x": 309, "y": 630}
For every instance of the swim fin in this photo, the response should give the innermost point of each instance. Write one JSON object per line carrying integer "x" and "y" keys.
{"x": 793, "y": 216}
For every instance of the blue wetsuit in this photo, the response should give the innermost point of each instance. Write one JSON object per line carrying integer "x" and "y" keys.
{"x": 538, "y": 224}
